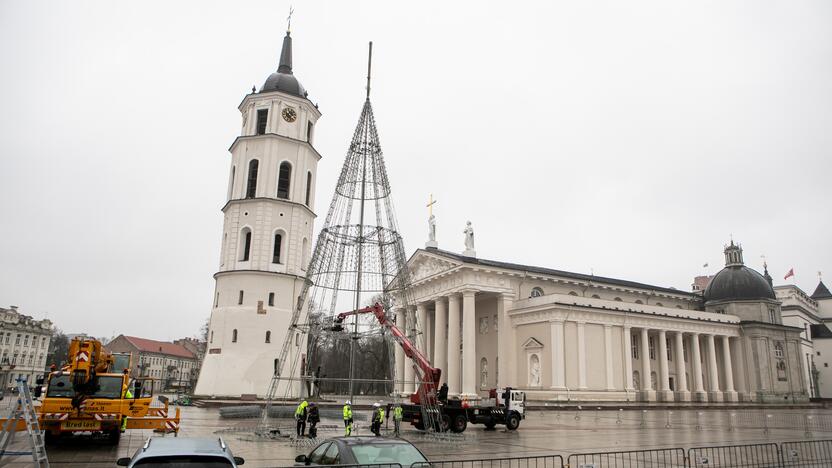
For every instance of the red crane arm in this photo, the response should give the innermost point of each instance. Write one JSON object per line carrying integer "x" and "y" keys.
{"x": 430, "y": 375}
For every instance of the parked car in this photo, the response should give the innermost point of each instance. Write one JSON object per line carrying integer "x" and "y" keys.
{"x": 179, "y": 452}
{"x": 362, "y": 450}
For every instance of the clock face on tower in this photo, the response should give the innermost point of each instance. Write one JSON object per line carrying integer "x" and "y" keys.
{"x": 289, "y": 114}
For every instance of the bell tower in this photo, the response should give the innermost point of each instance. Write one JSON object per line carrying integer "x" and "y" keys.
{"x": 267, "y": 235}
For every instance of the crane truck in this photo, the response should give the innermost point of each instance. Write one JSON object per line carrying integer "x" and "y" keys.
{"x": 505, "y": 406}
{"x": 93, "y": 392}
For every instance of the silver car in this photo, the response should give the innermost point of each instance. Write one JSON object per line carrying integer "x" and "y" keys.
{"x": 179, "y": 452}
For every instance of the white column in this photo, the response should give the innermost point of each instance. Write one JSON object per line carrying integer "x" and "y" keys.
{"x": 739, "y": 369}
{"x": 681, "y": 380}
{"x": 664, "y": 372}
{"x": 608, "y": 356}
{"x": 428, "y": 327}
{"x": 409, "y": 372}
{"x": 558, "y": 361}
{"x": 507, "y": 363}
{"x": 581, "y": 357}
{"x": 469, "y": 343}
{"x": 713, "y": 373}
{"x": 730, "y": 394}
{"x": 440, "y": 342}
{"x": 400, "y": 323}
{"x": 696, "y": 367}
{"x": 628, "y": 358}
{"x": 453, "y": 344}
{"x": 645, "y": 365}
{"x": 422, "y": 327}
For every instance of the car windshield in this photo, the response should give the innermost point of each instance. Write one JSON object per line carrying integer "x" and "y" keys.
{"x": 59, "y": 387}
{"x": 403, "y": 454}
{"x": 109, "y": 386}
{"x": 184, "y": 461}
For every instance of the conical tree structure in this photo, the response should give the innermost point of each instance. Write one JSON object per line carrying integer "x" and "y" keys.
{"x": 359, "y": 259}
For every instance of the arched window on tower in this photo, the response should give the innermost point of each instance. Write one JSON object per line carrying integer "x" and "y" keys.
{"x": 234, "y": 336}
{"x": 308, "y": 187}
{"x": 268, "y": 336}
{"x": 536, "y": 292}
{"x": 284, "y": 175}
{"x": 245, "y": 244}
{"x": 251, "y": 188}
{"x": 278, "y": 245}
{"x": 231, "y": 182}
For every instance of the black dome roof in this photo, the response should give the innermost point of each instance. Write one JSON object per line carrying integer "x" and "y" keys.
{"x": 283, "y": 80}
{"x": 738, "y": 282}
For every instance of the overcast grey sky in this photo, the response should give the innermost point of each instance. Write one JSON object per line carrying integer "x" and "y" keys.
{"x": 630, "y": 138}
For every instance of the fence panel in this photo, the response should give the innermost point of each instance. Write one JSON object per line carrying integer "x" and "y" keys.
{"x": 548, "y": 461}
{"x": 735, "y": 456}
{"x": 807, "y": 453}
{"x": 659, "y": 458}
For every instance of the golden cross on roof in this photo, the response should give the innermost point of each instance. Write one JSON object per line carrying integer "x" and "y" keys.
{"x": 289, "y": 19}
{"x": 430, "y": 204}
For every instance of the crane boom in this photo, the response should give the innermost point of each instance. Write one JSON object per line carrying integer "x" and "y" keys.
{"x": 427, "y": 375}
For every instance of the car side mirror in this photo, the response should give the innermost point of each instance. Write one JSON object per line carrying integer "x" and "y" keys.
{"x": 300, "y": 458}
{"x": 123, "y": 462}
{"x": 239, "y": 461}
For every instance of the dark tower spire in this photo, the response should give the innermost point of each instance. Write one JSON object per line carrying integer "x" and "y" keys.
{"x": 286, "y": 55}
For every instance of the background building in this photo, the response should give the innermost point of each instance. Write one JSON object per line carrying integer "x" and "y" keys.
{"x": 197, "y": 348}
{"x": 172, "y": 365}
{"x": 24, "y": 343}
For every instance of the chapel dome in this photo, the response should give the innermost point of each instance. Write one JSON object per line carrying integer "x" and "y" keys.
{"x": 283, "y": 79}
{"x": 737, "y": 282}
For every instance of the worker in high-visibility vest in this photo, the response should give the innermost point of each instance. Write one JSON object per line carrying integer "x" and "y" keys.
{"x": 347, "y": 419}
{"x": 127, "y": 395}
{"x": 300, "y": 416}
{"x": 397, "y": 419}
{"x": 378, "y": 418}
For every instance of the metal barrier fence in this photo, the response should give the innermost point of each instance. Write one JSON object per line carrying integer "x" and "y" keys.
{"x": 547, "y": 461}
{"x": 659, "y": 458}
{"x": 808, "y": 453}
{"x": 750, "y": 456}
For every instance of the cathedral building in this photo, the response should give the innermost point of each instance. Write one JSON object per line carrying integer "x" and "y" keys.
{"x": 566, "y": 336}
{"x": 266, "y": 238}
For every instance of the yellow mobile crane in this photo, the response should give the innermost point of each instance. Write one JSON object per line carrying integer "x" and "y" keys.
{"x": 93, "y": 392}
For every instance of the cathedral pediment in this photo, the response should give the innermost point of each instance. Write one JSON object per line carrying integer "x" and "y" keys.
{"x": 423, "y": 266}
{"x": 532, "y": 343}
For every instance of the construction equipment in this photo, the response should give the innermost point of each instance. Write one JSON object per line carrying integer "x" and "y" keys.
{"x": 94, "y": 393}
{"x": 505, "y": 405}
{"x": 24, "y": 411}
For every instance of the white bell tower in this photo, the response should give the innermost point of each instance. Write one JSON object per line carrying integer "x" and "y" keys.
{"x": 266, "y": 239}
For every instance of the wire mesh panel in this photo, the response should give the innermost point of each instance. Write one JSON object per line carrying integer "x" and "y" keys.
{"x": 370, "y": 465}
{"x": 751, "y": 456}
{"x": 807, "y": 453}
{"x": 548, "y": 461}
{"x": 659, "y": 458}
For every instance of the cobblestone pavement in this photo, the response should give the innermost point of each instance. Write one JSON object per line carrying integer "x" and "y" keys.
{"x": 543, "y": 432}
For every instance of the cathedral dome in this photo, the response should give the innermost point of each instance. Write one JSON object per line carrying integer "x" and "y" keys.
{"x": 737, "y": 282}
{"x": 283, "y": 80}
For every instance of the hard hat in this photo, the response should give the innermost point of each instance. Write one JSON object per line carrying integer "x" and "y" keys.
{"x": 347, "y": 402}
{"x": 376, "y": 405}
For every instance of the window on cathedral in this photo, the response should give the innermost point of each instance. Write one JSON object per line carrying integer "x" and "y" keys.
{"x": 595, "y": 296}
{"x": 284, "y": 175}
{"x": 262, "y": 119}
{"x": 278, "y": 244}
{"x": 634, "y": 347}
{"x": 781, "y": 371}
{"x": 636, "y": 380}
{"x": 231, "y": 182}
{"x": 652, "y": 347}
{"x": 308, "y": 187}
{"x": 246, "y": 251}
{"x": 685, "y": 350}
{"x": 778, "y": 349}
{"x": 573, "y": 293}
{"x": 276, "y": 362}
{"x": 667, "y": 345}
{"x": 240, "y": 300}
{"x": 772, "y": 315}
{"x": 271, "y": 299}
{"x": 268, "y": 336}
{"x": 536, "y": 292}
{"x": 251, "y": 187}
{"x": 234, "y": 335}
{"x": 309, "y": 132}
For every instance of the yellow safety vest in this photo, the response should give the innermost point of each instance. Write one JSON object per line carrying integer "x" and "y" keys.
{"x": 397, "y": 413}
{"x": 347, "y": 412}
{"x": 300, "y": 408}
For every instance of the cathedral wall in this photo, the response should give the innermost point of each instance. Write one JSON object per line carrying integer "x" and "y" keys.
{"x": 596, "y": 368}
{"x": 486, "y": 346}
{"x": 570, "y": 345}
{"x": 540, "y": 332}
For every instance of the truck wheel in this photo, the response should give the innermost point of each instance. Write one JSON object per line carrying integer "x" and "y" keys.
{"x": 459, "y": 423}
{"x": 513, "y": 422}
{"x": 50, "y": 438}
{"x": 114, "y": 435}
{"x": 443, "y": 424}
{"x": 419, "y": 426}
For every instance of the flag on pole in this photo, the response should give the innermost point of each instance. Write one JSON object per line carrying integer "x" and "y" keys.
{"x": 789, "y": 274}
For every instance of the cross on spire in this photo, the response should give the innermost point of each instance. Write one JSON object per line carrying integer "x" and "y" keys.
{"x": 430, "y": 204}
{"x": 289, "y": 20}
